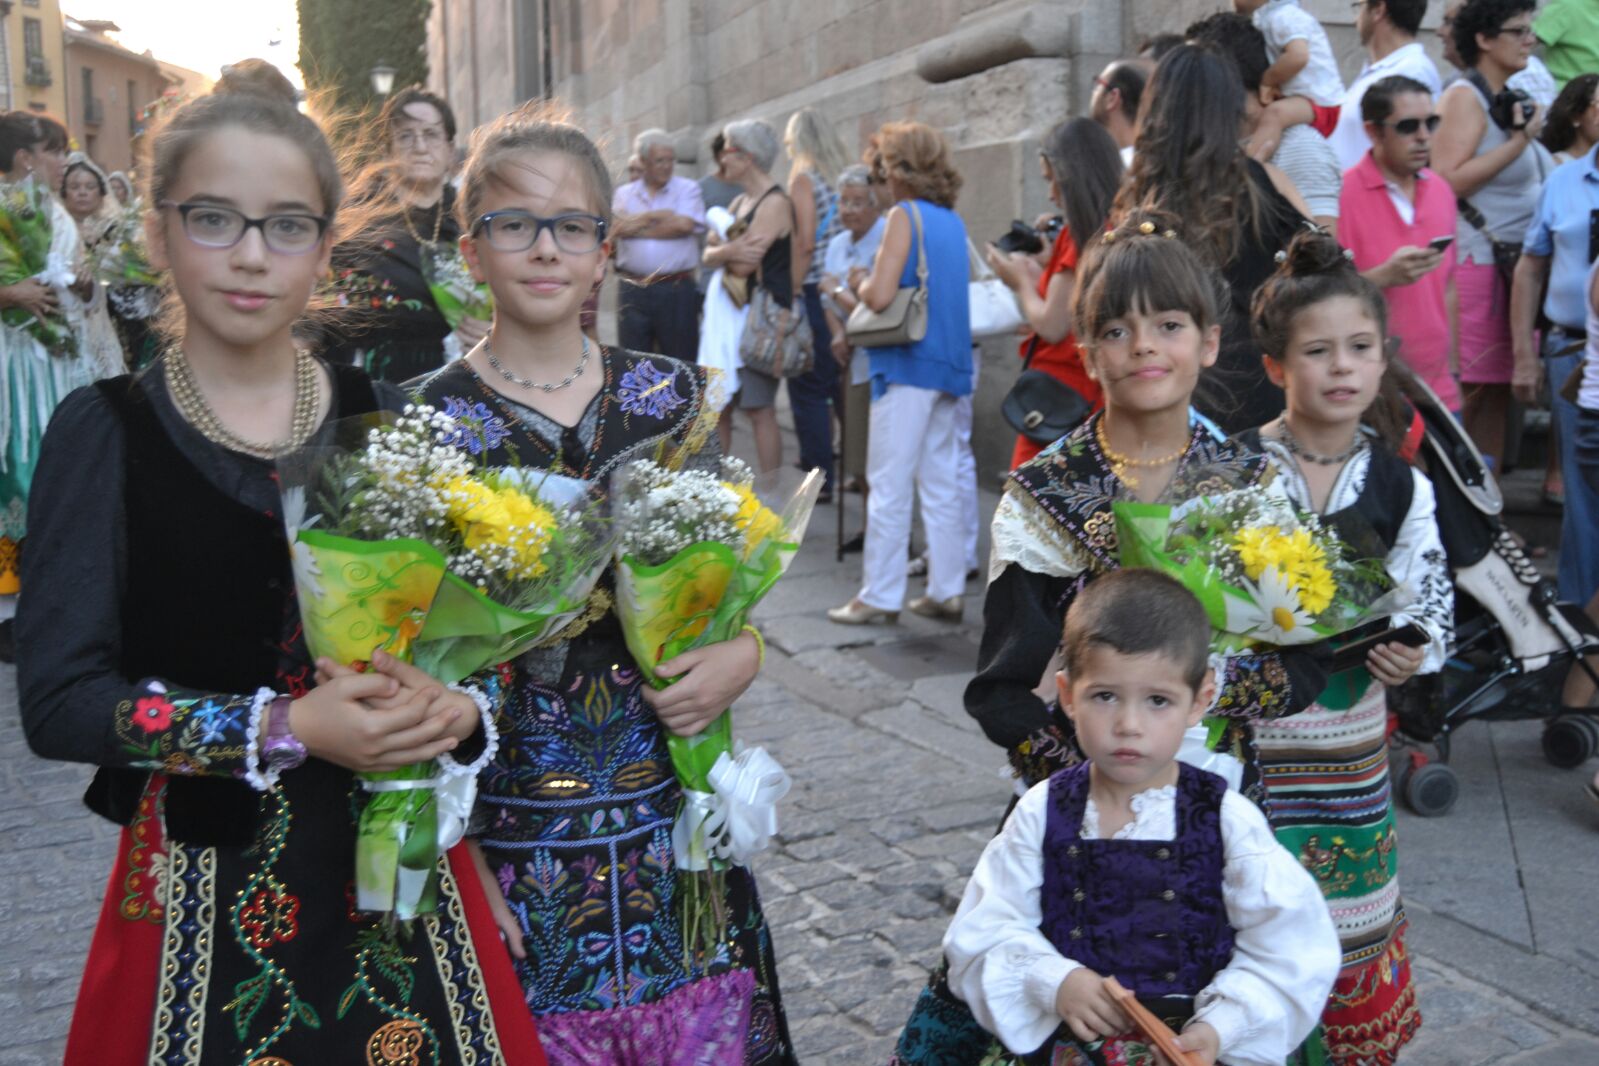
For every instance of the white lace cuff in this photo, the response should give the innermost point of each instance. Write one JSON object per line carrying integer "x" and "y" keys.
{"x": 258, "y": 779}
{"x": 491, "y": 736}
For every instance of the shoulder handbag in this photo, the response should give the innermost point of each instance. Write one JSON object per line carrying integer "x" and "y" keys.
{"x": 776, "y": 339}
{"x": 904, "y": 320}
{"x": 992, "y": 307}
{"x": 1040, "y": 406}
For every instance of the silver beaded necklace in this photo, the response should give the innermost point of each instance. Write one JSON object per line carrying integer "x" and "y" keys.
{"x": 1291, "y": 442}
{"x": 521, "y": 382}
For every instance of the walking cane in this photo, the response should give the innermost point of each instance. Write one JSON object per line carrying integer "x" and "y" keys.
{"x": 841, "y": 397}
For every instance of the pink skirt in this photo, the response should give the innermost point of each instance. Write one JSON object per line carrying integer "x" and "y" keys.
{"x": 1485, "y": 355}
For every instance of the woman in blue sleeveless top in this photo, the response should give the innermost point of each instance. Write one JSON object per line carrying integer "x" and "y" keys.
{"x": 914, "y": 447}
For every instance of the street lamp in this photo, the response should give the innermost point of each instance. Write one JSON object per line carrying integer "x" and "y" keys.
{"x": 382, "y": 79}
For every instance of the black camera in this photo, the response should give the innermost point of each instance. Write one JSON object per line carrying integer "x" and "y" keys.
{"x": 1024, "y": 238}
{"x": 1512, "y": 109}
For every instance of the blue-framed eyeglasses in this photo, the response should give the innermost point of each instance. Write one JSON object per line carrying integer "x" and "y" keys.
{"x": 517, "y": 231}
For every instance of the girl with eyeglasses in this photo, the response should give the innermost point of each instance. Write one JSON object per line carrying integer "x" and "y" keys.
{"x": 576, "y": 808}
{"x": 160, "y": 640}
{"x": 1324, "y": 329}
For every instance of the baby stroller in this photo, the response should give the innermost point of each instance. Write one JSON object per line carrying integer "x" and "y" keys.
{"x": 1514, "y": 640}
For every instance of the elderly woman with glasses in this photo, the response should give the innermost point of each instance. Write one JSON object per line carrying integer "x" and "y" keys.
{"x": 408, "y": 303}
{"x": 1487, "y": 150}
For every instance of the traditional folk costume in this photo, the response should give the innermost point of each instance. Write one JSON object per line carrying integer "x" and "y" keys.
{"x": 1326, "y": 769}
{"x": 1052, "y": 533}
{"x": 32, "y": 382}
{"x": 228, "y": 933}
{"x": 1194, "y": 905}
{"x": 576, "y": 811}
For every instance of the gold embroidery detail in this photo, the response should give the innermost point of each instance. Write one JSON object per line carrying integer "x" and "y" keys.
{"x": 396, "y": 1043}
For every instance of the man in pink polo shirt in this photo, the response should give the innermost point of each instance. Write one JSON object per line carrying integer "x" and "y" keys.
{"x": 1393, "y": 212}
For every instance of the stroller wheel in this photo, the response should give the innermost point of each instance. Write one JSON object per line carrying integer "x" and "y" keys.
{"x": 1570, "y": 742}
{"x": 1430, "y": 790}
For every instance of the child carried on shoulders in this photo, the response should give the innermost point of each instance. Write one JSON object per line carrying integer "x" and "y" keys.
{"x": 1303, "y": 70}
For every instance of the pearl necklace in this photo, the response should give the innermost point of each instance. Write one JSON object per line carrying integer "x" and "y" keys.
{"x": 1120, "y": 464}
{"x": 192, "y": 405}
{"x": 582, "y": 364}
{"x": 438, "y": 222}
{"x": 1291, "y": 442}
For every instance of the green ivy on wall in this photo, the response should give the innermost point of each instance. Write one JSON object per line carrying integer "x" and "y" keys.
{"x": 342, "y": 40}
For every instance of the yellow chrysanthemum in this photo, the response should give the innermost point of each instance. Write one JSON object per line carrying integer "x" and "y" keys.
{"x": 1316, "y": 588}
{"x": 754, "y": 519}
{"x": 1257, "y": 548}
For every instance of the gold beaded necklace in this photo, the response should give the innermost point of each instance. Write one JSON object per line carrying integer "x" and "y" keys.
{"x": 192, "y": 405}
{"x": 1120, "y": 464}
{"x": 438, "y": 222}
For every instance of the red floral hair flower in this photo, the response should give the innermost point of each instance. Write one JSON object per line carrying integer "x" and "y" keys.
{"x": 152, "y": 713}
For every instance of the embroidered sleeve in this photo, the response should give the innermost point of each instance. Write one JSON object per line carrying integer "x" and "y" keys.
{"x": 1271, "y": 684}
{"x": 1027, "y": 537}
{"x": 1417, "y": 561}
{"x": 1022, "y": 613}
{"x": 1000, "y": 962}
{"x": 179, "y": 731}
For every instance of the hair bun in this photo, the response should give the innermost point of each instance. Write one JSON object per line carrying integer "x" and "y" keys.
{"x": 256, "y": 77}
{"x": 1146, "y": 222}
{"x": 1313, "y": 251}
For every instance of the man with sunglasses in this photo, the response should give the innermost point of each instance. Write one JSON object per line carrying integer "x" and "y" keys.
{"x": 1398, "y": 219}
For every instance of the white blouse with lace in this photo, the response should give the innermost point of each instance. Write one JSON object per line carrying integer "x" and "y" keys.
{"x": 1262, "y": 1004}
{"x": 1416, "y": 560}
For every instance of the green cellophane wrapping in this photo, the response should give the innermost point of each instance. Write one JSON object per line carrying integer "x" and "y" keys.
{"x": 396, "y": 596}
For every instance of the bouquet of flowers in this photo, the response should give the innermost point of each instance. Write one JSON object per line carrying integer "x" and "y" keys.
{"x": 25, "y": 232}
{"x": 449, "y": 279}
{"x": 118, "y": 255}
{"x": 695, "y": 554}
{"x": 1265, "y": 572}
{"x": 403, "y": 544}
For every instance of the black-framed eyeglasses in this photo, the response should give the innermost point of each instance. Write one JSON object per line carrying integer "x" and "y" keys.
{"x": 215, "y": 226}
{"x": 1407, "y": 127}
{"x": 517, "y": 231}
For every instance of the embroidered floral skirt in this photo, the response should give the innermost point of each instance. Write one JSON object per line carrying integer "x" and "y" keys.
{"x": 215, "y": 955}
{"x": 576, "y": 823}
{"x": 1330, "y": 801}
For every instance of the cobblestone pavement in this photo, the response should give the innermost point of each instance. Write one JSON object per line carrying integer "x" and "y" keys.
{"x": 895, "y": 793}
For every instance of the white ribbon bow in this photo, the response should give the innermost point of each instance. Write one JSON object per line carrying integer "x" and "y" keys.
{"x": 453, "y": 796}
{"x": 737, "y": 819}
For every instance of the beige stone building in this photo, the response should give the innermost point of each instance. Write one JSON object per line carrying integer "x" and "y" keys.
{"x": 32, "y": 52}
{"x": 995, "y": 75}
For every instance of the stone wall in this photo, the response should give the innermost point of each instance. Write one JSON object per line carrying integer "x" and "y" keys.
{"x": 995, "y": 75}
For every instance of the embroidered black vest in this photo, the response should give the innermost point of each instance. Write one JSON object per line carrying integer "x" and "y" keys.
{"x": 1148, "y": 911}
{"x": 209, "y": 602}
{"x": 1370, "y": 525}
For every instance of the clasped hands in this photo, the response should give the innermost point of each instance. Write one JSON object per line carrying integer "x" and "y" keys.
{"x": 391, "y": 716}
{"x": 1085, "y": 1004}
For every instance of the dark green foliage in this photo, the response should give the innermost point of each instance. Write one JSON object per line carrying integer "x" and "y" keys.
{"x": 342, "y": 40}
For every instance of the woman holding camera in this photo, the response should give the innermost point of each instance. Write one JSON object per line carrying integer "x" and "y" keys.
{"x": 1487, "y": 150}
{"x": 1081, "y": 148}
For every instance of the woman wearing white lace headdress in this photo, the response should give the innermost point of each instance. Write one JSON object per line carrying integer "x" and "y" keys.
{"x": 83, "y": 191}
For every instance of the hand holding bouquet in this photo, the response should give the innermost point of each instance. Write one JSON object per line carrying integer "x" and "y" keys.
{"x": 696, "y": 552}
{"x": 456, "y": 294}
{"x": 402, "y": 544}
{"x": 26, "y": 230}
{"x": 118, "y": 255}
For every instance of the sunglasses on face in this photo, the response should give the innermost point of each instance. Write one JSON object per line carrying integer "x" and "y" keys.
{"x": 1407, "y": 127}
